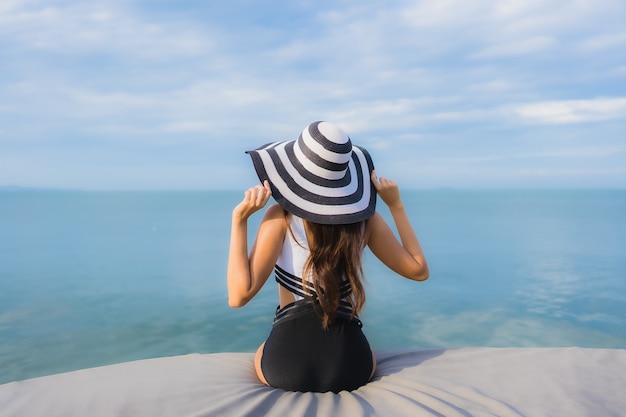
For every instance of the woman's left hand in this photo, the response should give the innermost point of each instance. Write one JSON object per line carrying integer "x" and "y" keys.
{"x": 254, "y": 199}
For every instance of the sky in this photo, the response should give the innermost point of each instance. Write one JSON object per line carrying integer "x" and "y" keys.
{"x": 480, "y": 94}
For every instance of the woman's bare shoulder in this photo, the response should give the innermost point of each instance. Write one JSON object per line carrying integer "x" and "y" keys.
{"x": 276, "y": 214}
{"x": 371, "y": 224}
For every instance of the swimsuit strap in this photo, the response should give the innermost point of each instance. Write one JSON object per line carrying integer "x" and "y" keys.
{"x": 304, "y": 288}
{"x": 294, "y": 284}
{"x": 302, "y": 307}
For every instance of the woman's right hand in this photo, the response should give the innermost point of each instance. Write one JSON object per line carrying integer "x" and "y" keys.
{"x": 254, "y": 199}
{"x": 387, "y": 190}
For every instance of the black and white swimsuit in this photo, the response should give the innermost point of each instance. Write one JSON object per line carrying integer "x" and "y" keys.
{"x": 299, "y": 354}
{"x": 289, "y": 269}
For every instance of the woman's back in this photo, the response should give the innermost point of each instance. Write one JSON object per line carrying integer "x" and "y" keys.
{"x": 298, "y": 280}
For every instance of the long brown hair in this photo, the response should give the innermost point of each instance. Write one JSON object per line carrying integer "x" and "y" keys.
{"x": 335, "y": 253}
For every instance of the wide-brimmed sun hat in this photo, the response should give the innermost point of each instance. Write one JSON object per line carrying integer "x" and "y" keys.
{"x": 321, "y": 177}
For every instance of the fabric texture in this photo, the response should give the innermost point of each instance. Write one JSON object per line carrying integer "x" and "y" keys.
{"x": 532, "y": 382}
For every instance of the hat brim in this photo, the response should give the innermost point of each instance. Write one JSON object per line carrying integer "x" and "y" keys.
{"x": 349, "y": 199}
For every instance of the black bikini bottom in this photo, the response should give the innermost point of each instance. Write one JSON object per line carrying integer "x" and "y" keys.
{"x": 299, "y": 355}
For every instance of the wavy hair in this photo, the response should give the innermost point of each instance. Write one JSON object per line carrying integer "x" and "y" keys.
{"x": 336, "y": 254}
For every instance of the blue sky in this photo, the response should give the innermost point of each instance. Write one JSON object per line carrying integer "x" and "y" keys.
{"x": 446, "y": 93}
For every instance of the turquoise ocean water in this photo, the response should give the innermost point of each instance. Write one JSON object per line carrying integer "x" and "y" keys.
{"x": 95, "y": 278}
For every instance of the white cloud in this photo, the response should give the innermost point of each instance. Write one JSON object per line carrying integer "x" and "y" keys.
{"x": 437, "y": 14}
{"x": 504, "y": 19}
{"x": 489, "y": 30}
{"x": 573, "y": 111}
{"x": 8, "y": 5}
{"x": 516, "y": 48}
{"x": 575, "y": 152}
{"x": 607, "y": 41}
{"x": 105, "y": 27}
{"x": 187, "y": 126}
{"x": 493, "y": 86}
{"x": 618, "y": 71}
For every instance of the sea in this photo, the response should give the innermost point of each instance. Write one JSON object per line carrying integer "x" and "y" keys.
{"x": 95, "y": 278}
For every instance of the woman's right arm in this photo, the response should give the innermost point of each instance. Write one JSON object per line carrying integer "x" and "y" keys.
{"x": 247, "y": 272}
{"x": 405, "y": 257}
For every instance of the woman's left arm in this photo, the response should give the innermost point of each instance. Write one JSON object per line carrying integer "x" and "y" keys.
{"x": 247, "y": 273}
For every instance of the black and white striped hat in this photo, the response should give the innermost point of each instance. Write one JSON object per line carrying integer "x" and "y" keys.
{"x": 320, "y": 177}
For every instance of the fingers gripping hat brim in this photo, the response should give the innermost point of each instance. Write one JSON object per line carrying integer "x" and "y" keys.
{"x": 327, "y": 195}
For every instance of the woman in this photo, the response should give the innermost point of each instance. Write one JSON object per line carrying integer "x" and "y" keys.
{"x": 313, "y": 239}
